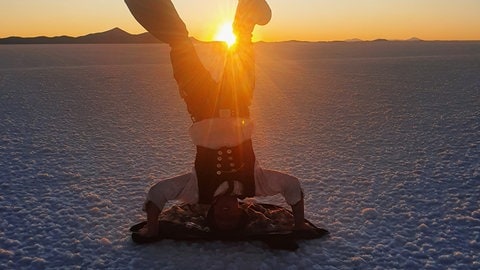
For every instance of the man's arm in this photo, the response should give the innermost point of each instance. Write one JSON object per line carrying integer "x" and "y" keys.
{"x": 270, "y": 182}
{"x": 299, "y": 215}
{"x": 158, "y": 195}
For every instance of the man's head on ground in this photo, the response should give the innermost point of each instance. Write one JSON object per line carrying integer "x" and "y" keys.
{"x": 226, "y": 215}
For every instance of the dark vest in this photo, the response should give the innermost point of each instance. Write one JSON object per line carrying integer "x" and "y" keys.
{"x": 227, "y": 164}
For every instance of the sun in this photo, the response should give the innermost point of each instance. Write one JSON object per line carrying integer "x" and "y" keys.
{"x": 225, "y": 34}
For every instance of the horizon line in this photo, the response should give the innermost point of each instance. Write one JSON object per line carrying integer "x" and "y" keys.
{"x": 352, "y": 40}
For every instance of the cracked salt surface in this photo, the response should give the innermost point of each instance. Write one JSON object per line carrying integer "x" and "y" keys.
{"x": 384, "y": 137}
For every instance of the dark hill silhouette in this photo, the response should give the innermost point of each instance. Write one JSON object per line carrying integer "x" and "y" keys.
{"x": 112, "y": 36}
{"x": 115, "y": 35}
{"x": 414, "y": 39}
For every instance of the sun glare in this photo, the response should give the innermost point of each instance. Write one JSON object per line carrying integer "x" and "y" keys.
{"x": 225, "y": 34}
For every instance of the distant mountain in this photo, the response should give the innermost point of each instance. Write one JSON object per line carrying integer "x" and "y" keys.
{"x": 115, "y": 35}
{"x": 414, "y": 39}
{"x": 112, "y": 36}
{"x": 380, "y": 40}
{"x": 410, "y": 39}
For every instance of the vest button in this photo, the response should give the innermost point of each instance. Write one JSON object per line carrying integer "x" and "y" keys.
{"x": 219, "y": 158}
{"x": 229, "y": 151}
{"x": 219, "y": 165}
{"x": 219, "y": 172}
{"x": 232, "y": 164}
{"x": 220, "y": 153}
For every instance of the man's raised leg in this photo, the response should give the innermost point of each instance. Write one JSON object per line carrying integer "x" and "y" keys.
{"x": 159, "y": 18}
{"x": 238, "y": 81}
{"x": 195, "y": 83}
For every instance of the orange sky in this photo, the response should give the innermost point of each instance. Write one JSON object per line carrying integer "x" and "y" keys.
{"x": 312, "y": 20}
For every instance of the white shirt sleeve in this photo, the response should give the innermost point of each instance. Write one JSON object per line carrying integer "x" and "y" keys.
{"x": 269, "y": 183}
{"x": 183, "y": 187}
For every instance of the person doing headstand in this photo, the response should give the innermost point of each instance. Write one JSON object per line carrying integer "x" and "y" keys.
{"x": 225, "y": 164}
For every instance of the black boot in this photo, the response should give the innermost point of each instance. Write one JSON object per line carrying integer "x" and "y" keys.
{"x": 248, "y": 14}
{"x": 160, "y": 18}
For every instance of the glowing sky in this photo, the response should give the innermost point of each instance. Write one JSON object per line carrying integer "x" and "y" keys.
{"x": 312, "y": 20}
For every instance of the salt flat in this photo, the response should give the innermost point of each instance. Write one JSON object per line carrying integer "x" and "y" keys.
{"x": 383, "y": 135}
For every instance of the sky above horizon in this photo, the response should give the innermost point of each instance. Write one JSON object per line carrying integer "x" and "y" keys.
{"x": 310, "y": 20}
